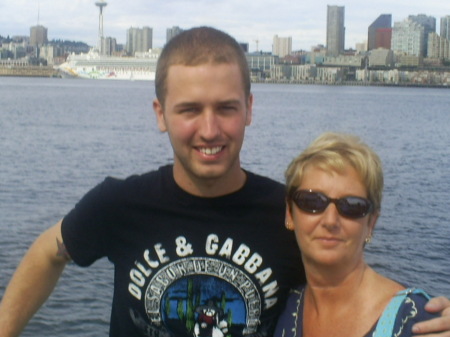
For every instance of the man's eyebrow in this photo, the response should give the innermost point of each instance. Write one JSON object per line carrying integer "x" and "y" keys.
{"x": 186, "y": 104}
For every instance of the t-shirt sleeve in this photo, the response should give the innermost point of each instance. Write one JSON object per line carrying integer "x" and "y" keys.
{"x": 84, "y": 228}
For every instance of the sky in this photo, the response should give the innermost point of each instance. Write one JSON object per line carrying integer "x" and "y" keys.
{"x": 252, "y": 22}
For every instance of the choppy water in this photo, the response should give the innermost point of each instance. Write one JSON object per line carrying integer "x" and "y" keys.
{"x": 58, "y": 138}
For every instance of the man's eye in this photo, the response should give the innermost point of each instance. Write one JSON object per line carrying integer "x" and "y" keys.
{"x": 228, "y": 108}
{"x": 188, "y": 110}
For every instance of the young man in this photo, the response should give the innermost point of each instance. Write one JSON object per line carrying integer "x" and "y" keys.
{"x": 198, "y": 247}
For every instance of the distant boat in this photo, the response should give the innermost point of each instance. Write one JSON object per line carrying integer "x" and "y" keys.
{"x": 92, "y": 65}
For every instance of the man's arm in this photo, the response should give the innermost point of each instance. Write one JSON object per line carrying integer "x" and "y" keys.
{"x": 33, "y": 281}
{"x": 436, "y": 325}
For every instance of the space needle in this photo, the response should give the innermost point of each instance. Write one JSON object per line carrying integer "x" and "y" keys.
{"x": 100, "y": 4}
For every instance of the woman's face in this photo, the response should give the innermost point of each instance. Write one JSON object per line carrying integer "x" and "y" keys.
{"x": 328, "y": 238}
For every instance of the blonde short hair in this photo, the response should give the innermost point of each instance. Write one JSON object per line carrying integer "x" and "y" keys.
{"x": 334, "y": 152}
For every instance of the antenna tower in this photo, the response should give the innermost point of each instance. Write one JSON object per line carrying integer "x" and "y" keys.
{"x": 100, "y": 4}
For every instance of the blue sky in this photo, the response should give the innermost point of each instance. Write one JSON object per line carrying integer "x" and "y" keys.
{"x": 247, "y": 21}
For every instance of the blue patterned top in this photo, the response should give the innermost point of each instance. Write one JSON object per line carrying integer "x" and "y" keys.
{"x": 290, "y": 323}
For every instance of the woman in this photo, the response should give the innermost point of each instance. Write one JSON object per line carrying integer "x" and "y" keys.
{"x": 334, "y": 191}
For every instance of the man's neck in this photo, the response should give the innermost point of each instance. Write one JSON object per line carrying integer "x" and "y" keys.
{"x": 213, "y": 187}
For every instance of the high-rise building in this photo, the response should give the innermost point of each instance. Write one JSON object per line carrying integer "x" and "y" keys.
{"x": 445, "y": 27}
{"x": 244, "y": 46}
{"x": 378, "y": 34}
{"x": 429, "y": 25}
{"x": 109, "y": 46}
{"x": 383, "y": 38}
{"x": 171, "y": 32}
{"x": 282, "y": 46}
{"x": 38, "y": 35}
{"x": 438, "y": 47}
{"x": 335, "y": 30}
{"x": 139, "y": 40}
{"x": 408, "y": 38}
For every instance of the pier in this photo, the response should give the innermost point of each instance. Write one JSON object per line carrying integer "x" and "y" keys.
{"x": 29, "y": 71}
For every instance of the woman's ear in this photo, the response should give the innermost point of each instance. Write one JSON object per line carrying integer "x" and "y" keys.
{"x": 288, "y": 222}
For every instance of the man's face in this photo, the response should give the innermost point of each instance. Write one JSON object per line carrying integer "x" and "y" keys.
{"x": 205, "y": 114}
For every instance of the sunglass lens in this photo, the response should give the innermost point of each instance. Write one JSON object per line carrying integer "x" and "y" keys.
{"x": 311, "y": 202}
{"x": 353, "y": 207}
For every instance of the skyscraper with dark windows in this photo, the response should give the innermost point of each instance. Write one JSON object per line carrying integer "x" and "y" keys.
{"x": 380, "y": 32}
{"x": 429, "y": 26}
{"x": 335, "y": 30}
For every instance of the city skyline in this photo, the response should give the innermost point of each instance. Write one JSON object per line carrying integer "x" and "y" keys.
{"x": 255, "y": 24}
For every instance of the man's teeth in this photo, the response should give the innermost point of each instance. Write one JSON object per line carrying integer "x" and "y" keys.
{"x": 211, "y": 150}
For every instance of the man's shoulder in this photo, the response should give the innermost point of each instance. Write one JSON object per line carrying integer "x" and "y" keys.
{"x": 157, "y": 175}
{"x": 260, "y": 182}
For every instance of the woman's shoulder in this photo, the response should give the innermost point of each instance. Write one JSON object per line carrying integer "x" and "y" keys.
{"x": 406, "y": 308}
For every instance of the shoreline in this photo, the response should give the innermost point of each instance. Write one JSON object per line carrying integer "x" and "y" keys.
{"x": 50, "y": 72}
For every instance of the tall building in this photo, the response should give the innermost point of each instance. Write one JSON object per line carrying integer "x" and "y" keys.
{"x": 139, "y": 40}
{"x": 109, "y": 46}
{"x": 38, "y": 35}
{"x": 282, "y": 46}
{"x": 378, "y": 34}
{"x": 171, "y": 32}
{"x": 383, "y": 38}
{"x": 408, "y": 38}
{"x": 335, "y": 30}
{"x": 429, "y": 25}
{"x": 445, "y": 27}
{"x": 438, "y": 47}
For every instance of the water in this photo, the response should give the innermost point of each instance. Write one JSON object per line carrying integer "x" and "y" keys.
{"x": 58, "y": 138}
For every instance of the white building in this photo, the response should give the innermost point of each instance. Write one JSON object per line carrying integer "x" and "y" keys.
{"x": 139, "y": 40}
{"x": 408, "y": 38}
{"x": 438, "y": 47}
{"x": 282, "y": 46}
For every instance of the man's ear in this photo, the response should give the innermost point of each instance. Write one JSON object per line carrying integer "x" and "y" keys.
{"x": 249, "y": 112}
{"x": 159, "y": 112}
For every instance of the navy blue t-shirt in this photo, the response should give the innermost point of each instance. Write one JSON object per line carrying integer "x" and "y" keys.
{"x": 187, "y": 265}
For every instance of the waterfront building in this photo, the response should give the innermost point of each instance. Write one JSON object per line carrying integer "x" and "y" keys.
{"x": 329, "y": 74}
{"x": 260, "y": 64}
{"x": 335, "y": 30}
{"x": 438, "y": 47}
{"x": 38, "y": 35}
{"x": 172, "y": 32}
{"x": 139, "y": 40}
{"x": 282, "y": 46}
{"x": 408, "y": 38}
{"x": 429, "y": 25}
{"x": 445, "y": 27}
{"x": 13, "y": 50}
{"x": 380, "y": 32}
{"x": 356, "y": 61}
{"x": 304, "y": 72}
{"x": 403, "y": 60}
{"x": 381, "y": 58}
{"x": 49, "y": 53}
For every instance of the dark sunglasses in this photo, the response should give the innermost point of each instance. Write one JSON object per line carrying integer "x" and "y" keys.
{"x": 316, "y": 202}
